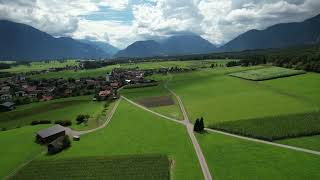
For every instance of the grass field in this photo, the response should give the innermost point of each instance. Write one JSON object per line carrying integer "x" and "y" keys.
{"x": 232, "y": 158}
{"x": 38, "y": 66}
{"x": 305, "y": 87}
{"x": 217, "y": 97}
{"x": 274, "y": 128}
{"x": 266, "y": 73}
{"x": 17, "y": 147}
{"x": 309, "y": 142}
{"x": 138, "y": 94}
{"x": 153, "y": 167}
{"x": 60, "y": 109}
{"x": 133, "y": 131}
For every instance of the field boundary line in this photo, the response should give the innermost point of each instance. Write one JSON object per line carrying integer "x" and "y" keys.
{"x": 153, "y": 112}
{"x": 265, "y": 142}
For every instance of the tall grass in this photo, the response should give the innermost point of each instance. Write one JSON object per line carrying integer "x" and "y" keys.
{"x": 275, "y": 127}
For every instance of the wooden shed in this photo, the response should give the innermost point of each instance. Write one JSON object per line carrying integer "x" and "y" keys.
{"x": 50, "y": 134}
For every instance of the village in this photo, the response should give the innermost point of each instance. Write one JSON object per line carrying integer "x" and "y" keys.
{"x": 19, "y": 90}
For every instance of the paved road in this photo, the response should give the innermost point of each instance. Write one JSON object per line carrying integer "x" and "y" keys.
{"x": 189, "y": 125}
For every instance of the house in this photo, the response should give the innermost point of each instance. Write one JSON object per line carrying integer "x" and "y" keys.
{"x": 114, "y": 85}
{"x": 104, "y": 93}
{"x": 6, "y": 97}
{"x": 20, "y": 94}
{"x": 7, "y": 106}
{"x": 50, "y": 134}
{"x": 56, "y": 145}
{"x": 46, "y": 98}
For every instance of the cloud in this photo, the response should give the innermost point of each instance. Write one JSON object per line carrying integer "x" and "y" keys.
{"x": 115, "y": 4}
{"x": 216, "y": 20}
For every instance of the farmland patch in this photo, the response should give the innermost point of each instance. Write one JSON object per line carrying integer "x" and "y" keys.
{"x": 137, "y": 167}
{"x": 274, "y": 127}
{"x": 266, "y": 73}
{"x": 157, "y": 101}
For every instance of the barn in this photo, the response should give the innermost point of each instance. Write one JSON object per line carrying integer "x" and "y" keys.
{"x": 48, "y": 135}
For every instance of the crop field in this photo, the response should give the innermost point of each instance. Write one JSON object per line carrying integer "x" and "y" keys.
{"x": 38, "y": 66}
{"x": 157, "y": 101}
{"x": 18, "y": 147}
{"x": 141, "y": 94}
{"x": 60, "y": 109}
{"x": 309, "y": 142}
{"x": 233, "y": 158}
{"x": 266, "y": 73}
{"x": 153, "y": 167}
{"x": 217, "y": 97}
{"x": 133, "y": 131}
{"x": 274, "y": 128}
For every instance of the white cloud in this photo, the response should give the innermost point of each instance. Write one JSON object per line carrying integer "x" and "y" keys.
{"x": 115, "y": 4}
{"x": 216, "y": 20}
{"x": 112, "y": 32}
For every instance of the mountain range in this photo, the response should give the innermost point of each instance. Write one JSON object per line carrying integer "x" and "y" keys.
{"x": 23, "y": 42}
{"x": 277, "y": 36}
{"x": 174, "y": 45}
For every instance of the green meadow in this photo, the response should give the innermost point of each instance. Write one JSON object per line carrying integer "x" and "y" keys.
{"x": 133, "y": 131}
{"x": 18, "y": 147}
{"x": 233, "y": 158}
{"x": 38, "y": 66}
{"x": 59, "y": 109}
{"x": 217, "y": 97}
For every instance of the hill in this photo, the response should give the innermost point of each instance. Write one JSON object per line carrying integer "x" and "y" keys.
{"x": 278, "y": 36}
{"x": 175, "y": 45}
{"x": 23, "y": 42}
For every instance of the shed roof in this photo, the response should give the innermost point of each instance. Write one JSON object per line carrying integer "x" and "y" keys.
{"x": 51, "y": 131}
{"x": 8, "y": 104}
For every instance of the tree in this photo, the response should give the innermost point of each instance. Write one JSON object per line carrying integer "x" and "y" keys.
{"x": 201, "y": 124}
{"x": 196, "y": 126}
{"x": 82, "y": 118}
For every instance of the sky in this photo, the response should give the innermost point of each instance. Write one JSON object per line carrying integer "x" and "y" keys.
{"x": 122, "y": 22}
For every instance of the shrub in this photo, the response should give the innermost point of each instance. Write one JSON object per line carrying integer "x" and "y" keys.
{"x": 82, "y": 118}
{"x": 63, "y": 122}
{"x": 40, "y": 122}
{"x": 3, "y": 129}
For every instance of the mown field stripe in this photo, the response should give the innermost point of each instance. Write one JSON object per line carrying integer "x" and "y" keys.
{"x": 265, "y": 142}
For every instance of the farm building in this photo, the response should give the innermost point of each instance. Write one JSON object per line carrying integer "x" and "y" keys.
{"x": 7, "y": 106}
{"x": 50, "y": 134}
{"x": 56, "y": 145}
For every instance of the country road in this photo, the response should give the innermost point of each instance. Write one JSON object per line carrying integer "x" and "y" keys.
{"x": 189, "y": 125}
